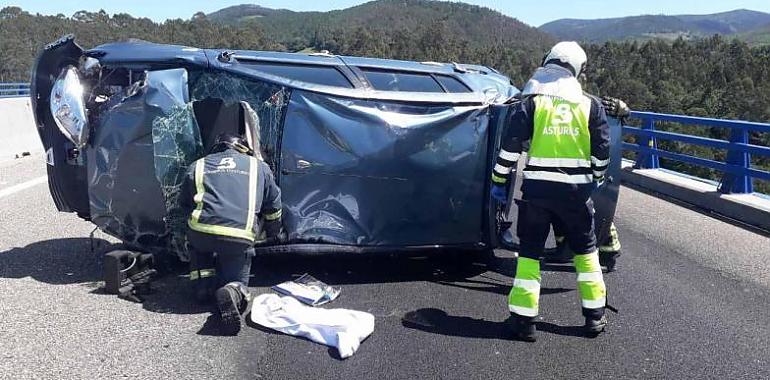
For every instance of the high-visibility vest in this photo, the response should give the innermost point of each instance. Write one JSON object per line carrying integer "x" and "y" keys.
{"x": 226, "y": 195}
{"x": 560, "y": 148}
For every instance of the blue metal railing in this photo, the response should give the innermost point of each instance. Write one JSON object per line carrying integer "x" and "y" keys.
{"x": 11, "y": 90}
{"x": 737, "y": 171}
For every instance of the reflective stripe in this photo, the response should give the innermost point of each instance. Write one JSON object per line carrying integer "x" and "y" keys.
{"x": 614, "y": 243}
{"x": 222, "y": 231}
{"x": 194, "y": 221}
{"x": 523, "y": 298}
{"x": 202, "y": 273}
{"x": 253, "y": 177}
{"x": 523, "y": 311}
{"x": 199, "y": 191}
{"x": 274, "y": 216}
{"x": 558, "y": 177}
{"x": 590, "y": 277}
{"x": 610, "y": 248}
{"x": 530, "y": 285}
{"x": 498, "y": 179}
{"x": 559, "y": 162}
{"x": 500, "y": 169}
{"x": 590, "y": 280}
{"x": 599, "y": 162}
{"x": 599, "y": 173}
{"x": 505, "y": 155}
{"x": 594, "y": 304}
{"x": 587, "y": 263}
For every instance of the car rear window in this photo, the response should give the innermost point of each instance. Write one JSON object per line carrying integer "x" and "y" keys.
{"x": 401, "y": 81}
{"x": 316, "y": 74}
{"x": 452, "y": 84}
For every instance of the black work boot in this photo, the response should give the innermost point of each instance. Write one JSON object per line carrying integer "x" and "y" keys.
{"x": 594, "y": 327}
{"x": 232, "y": 300}
{"x": 521, "y": 328}
{"x": 609, "y": 260}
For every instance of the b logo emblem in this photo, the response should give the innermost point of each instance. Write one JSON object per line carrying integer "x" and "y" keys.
{"x": 226, "y": 164}
{"x": 563, "y": 114}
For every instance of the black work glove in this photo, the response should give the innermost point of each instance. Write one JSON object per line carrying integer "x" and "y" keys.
{"x": 615, "y": 107}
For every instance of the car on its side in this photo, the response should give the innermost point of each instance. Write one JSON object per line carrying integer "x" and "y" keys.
{"x": 370, "y": 154}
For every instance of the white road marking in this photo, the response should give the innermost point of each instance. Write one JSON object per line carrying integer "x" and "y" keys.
{"x": 22, "y": 186}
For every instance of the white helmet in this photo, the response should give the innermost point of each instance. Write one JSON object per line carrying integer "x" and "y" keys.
{"x": 570, "y": 53}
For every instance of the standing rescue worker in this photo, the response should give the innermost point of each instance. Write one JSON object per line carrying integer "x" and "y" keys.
{"x": 568, "y": 156}
{"x": 609, "y": 248}
{"x": 228, "y": 193}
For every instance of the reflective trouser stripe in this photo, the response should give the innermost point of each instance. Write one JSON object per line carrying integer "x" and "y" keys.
{"x": 274, "y": 216}
{"x": 594, "y": 304}
{"x": 202, "y": 273}
{"x": 497, "y": 179}
{"x": 590, "y": 281}
{"x": 524, "y": 295}
{"x": 610, "y": 248}
{"x": 523, "y": 311}
{"x": 614, "y": 244}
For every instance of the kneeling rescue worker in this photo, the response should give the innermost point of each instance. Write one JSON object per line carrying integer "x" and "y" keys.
{"x": 228, "y": 193}
{"x": 568, "y": 156}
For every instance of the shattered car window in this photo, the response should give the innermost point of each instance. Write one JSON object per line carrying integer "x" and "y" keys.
{"x": 267, "y": 100}
{"x": 177, "y": 143}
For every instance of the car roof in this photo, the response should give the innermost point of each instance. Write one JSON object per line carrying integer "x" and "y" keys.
{"x": 480, "y": 80}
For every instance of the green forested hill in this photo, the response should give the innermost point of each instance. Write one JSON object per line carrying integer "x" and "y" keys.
{"x": 757, "y": 37}
{"x": 737, "y": 22}
{"x": 470, "y": 22}
{"x": 22, "y": 35}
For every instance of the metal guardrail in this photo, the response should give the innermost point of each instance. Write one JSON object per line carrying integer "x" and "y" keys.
{"x": 12, "y": 90}
{"x": 737, "y": 170}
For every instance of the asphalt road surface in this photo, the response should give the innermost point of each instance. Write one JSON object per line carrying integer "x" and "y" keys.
{"x": 693, "y": 293}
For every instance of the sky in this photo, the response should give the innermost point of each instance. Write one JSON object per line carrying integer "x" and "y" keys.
{"x": 534, "y": 13}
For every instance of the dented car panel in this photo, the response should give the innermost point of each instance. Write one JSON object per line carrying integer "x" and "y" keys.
{"x": 381, "y": 173}
{"x": 370, "y": 154}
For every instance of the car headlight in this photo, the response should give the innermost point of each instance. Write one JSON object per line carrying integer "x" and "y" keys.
{"x": 68, "y": 106}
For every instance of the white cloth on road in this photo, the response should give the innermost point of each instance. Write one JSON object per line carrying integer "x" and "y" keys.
{"x": 341, "y": 328}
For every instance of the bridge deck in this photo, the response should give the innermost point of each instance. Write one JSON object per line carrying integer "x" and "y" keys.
{"x": 693, "y": 294}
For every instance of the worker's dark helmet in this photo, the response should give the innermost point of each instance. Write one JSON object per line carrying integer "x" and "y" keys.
{"x": 227, "y": 141}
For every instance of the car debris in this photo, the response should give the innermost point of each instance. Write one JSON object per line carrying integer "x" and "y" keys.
{"x": 308, "y": 290}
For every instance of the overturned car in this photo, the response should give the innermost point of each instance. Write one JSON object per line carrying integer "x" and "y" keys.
{"x": 370, "y": 154}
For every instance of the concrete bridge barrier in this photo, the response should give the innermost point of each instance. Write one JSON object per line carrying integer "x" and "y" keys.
{"x": 18, "y": 133}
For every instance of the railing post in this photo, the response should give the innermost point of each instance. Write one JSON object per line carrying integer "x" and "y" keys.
{"x": 737, "y": 183}
{"x": 647, "y": 160}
